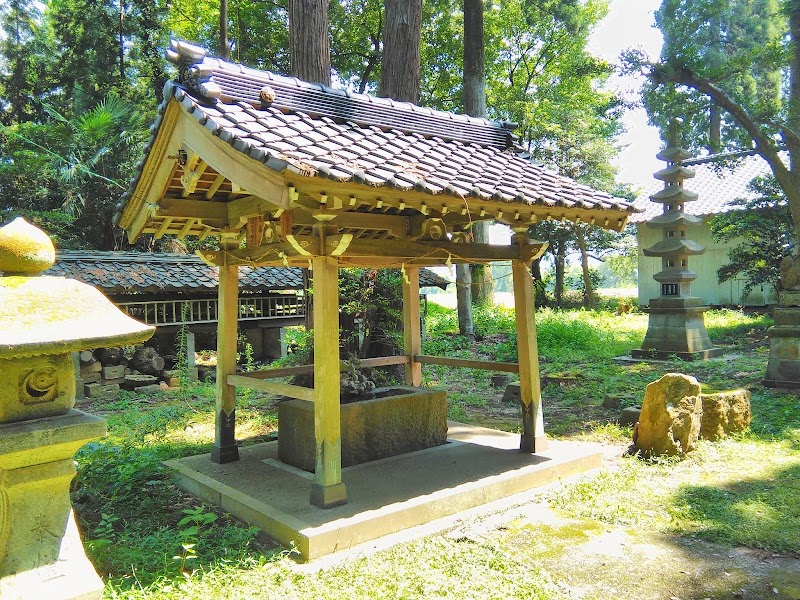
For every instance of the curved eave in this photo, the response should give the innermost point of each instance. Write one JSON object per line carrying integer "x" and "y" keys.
{"x": 674, "y": 246}
{"x": 673, "y": 219}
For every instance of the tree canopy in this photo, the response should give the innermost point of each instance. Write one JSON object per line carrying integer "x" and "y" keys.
{"x": 65, "y": 65}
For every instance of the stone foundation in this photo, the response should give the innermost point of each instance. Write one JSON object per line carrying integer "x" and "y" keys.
{"x": 676, "y": 328}
{"x": 783, "y": 367}
{"x": 411, "y": 419}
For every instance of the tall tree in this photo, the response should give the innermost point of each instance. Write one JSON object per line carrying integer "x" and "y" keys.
{"x": 22, "y": 75}
{"x": 402, "y": 31}
{"x": 734, "y": 43}
{"x": 768, "y": 126}
{"x": 310, "y": 55}
{"x": 224, "y": 44}
{"x": 475, "y": 106}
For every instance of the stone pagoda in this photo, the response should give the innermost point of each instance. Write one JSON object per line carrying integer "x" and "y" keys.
{"x": 676, "y": 326}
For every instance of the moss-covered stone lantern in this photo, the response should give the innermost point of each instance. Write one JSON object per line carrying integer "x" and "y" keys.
{"x": 42, "y": 320}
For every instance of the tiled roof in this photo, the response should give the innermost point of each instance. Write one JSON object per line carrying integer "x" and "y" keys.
{"x": 316, "y": 131}
{"x": 717, "y": 183}
{"x": 130, "y": 272}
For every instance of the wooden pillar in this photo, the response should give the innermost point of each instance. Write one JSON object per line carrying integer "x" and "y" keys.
{"x": 225, "y": 449}
{"x": 328, "y": 489}
{"x": 533, "y": 438}
{"x": 411, "y": 326}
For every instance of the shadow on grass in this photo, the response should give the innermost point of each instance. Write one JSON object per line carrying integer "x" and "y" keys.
{"x": 758, "y": 513}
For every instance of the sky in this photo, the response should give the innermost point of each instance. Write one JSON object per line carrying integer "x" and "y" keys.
{"x": 630, "y": 24}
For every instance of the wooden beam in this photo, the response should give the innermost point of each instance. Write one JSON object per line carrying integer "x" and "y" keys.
{"x": 225, "y": 448}
{"x": 268, "y": 254}
{"x": 394, "y": 224}
{"x": 533, "y": 437}
{"x": 237, "y": 167}
{"x": 484, "y": 365}
{"x": 365, "y": 363}
{"x": 212, "y": 212}
{"x": 328, "y": 489}
{"x": 402, "y": 250}
{"x": 215, "y": 186}
{"x": 412, "y": 337}
{"x": 384, "y": 361}
{"x": 272, "y": 387}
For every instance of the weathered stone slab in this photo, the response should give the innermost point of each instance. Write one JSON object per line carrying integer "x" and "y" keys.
{"x": 724, "y": 413}
{"x": 670, "y": 419}
{"x": 136, "y": 381}
{"x": 93, "y": 390}
{"x": 148, "y": 389}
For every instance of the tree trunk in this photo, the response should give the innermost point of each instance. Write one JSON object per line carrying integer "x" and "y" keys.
{"x": 475, "y": 106}
{"x": 146, "y": 360}
{"x": 309, "y": 53}
{"x": 464, "y": 301}
{"x": 588, "y": 296}
{"x": 538, "y": 283}
{"x": 224, "y": 45}
{"x": 481, "y": 275}
{"x": 402, "y": 32}
{"x": 474, "y": 69}
{"x": 560, "y": 259}
{"x": 715, "y": 130}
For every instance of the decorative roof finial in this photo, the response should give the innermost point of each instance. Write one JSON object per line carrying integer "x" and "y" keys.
{"x": 25, "y": 249}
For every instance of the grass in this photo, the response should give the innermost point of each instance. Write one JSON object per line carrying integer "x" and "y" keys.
{"x": 149, "y": 540}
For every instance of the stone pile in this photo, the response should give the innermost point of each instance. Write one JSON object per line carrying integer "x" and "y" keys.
{"x": 104, "y": 371}
{"x": 675, "y": 414}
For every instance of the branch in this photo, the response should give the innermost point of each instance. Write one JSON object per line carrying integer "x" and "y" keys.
{"x": 765, "y": 145}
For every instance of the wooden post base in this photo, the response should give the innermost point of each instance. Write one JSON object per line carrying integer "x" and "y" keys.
{"x": 328, "y": 496}
{"x": 533, "y": 444}
{"x": 225, "y": 448}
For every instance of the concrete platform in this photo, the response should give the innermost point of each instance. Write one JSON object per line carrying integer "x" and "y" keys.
{"x": 475, "y": 467}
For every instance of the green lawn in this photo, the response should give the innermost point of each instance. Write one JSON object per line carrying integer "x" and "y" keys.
{"x": 148, "y": 540}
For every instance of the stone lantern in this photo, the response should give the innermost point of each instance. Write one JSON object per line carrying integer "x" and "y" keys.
{"x": 42, "y": 320}
{"x": 676, "y": 326}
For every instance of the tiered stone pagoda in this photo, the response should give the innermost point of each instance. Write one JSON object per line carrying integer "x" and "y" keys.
{"x": 676, "y": 326}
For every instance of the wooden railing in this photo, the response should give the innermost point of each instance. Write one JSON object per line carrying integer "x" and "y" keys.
{"x": 195, "y": 311}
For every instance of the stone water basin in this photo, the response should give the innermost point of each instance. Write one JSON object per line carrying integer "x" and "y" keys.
{"x": 393, "y": 420}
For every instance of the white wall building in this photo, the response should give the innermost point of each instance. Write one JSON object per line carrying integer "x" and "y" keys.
{"x": 717, "y": 186}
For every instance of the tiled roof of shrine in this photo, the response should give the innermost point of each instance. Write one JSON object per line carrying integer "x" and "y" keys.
{"x": 312, "y": 130}
{"x": 142, "y": 272}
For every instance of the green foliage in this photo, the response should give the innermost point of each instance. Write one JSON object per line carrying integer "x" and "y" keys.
{"x": 740, "y": 46}
{"x": 762, "y": 228}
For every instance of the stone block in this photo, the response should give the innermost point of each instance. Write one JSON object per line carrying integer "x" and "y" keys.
{"x": 115, "y": 372}
{"x": 94, "y": 390}
{"x": 724, "y": 413}
{"x": 117, "y": 381}
{"x": 630, "y": 415}
{"x": 512, "y": 393}
{"x": 94, "y": 367}
{"x": 500, "y": 380}
{"x": 91, "y": 377}
{"x": 670, "y": 419}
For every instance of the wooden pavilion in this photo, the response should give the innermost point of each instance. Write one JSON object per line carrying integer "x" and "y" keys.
{"x": 289, "y": 173}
